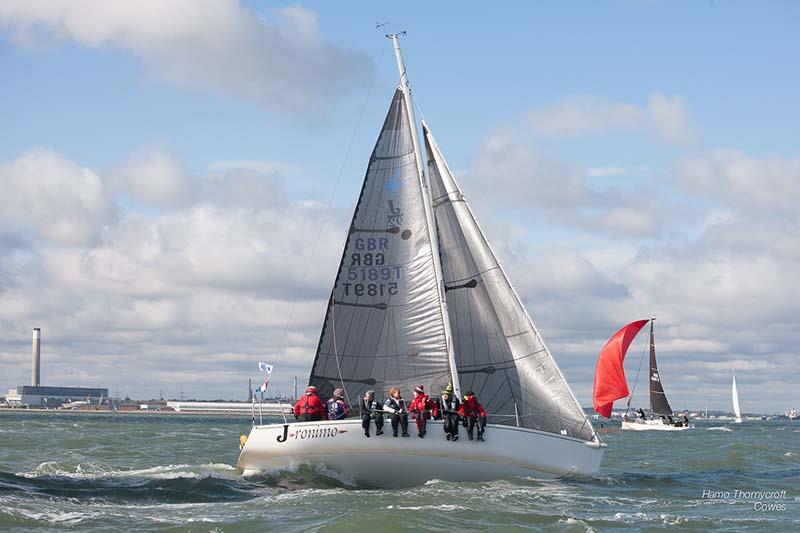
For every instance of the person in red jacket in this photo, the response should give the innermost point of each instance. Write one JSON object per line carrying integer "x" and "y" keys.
{"x": 473, "y": 414}
{"x": 309, "y": 408}
{"x": 422, "y": 408}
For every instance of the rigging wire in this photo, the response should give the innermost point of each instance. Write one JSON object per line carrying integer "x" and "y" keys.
{"x": 336, "y": 353}
{"x": 330, "y": 201}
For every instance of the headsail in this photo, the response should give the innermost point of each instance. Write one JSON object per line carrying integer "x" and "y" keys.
{"x": 384, "y": 325}
{"x": 499, "y": 354}
{"x": 609, "y": 376}
{"x": 658, "y": 398}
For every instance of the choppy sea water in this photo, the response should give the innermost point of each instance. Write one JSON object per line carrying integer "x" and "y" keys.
{"x": 104, "y": 472}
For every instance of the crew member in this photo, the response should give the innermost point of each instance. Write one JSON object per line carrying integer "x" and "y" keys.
{"x": 371, "y": 410}
{"x": 473, "y": 414}
{"x": 309, "y": 408}
{"x": 337, "y": 407}
{"x": 449, "y": 412}
{"x": 395, "y": 405}
{"x": 422, "y": 407}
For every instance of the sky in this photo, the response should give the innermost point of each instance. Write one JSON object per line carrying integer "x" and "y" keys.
{"x": 167, "y": 168}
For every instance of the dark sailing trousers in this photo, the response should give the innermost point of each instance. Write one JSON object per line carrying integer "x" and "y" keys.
{"x": 473, "y": 421}
{"x": 309, "y": 417}
{"x": 451, "y": 424}
{"x": 422, "y": 423}
{"x": 365, "y": 418}
{"x": 401, "y": 420}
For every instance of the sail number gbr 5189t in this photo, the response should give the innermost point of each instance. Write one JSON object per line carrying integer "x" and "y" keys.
{"x": 368, "y": 274}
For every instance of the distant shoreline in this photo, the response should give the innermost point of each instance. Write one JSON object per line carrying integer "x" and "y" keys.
{"x": 7, "y": 410}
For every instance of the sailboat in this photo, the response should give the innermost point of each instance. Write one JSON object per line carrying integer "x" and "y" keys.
{"x": 737, "y": 413}
{"x": 421, "y": 299}
{"x": 610, "y": 383}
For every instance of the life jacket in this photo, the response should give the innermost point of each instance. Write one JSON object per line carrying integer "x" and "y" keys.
{"x": 424, "y": 405}
{"x": 395, "y": 405}
{"x": 309, "y": 404}
{"x": 337, "y": 409}
{"x": 450, "y": 405}
{"x": 472, "y": 408}
{"x": 368, "y": 407}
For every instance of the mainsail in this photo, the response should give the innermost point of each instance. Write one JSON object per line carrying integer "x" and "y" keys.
{"x": 384, "y": 325}
{"x": 658, "y": 398}
{"x": 498, "y": 352}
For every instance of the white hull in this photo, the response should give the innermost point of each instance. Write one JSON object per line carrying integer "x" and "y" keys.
{"x": 391, "y": 462}
{"x": 652, "y": 425}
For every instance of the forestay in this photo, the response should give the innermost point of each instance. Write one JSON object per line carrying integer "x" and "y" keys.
{"x": 384, "y": 324}
{"x": 499, "y": 353}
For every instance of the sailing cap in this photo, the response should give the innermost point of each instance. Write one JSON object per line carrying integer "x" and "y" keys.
{"x": 469, "y": 393}
{"x": 338, "y": 393}
{"x": 311, "y": 390}
{"x": 419, "y": 390}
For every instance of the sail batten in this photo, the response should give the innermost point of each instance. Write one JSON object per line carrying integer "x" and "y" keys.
{"x": 499, "y": 353}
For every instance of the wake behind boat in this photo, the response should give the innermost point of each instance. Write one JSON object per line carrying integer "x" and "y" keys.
{"x": 610, "y": 384}
{"x": 420, "y": 299}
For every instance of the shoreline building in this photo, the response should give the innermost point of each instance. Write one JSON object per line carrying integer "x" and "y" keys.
{"x": 53, "y": 397}
{"x": 38, "y": 395}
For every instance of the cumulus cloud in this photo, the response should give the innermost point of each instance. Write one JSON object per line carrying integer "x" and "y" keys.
{"x": 153, "y": 175}
{"x": 514, "y": 174}
{"x": 752, "y": 183}
{"x": 665, "y": 118}
{"x": 505, "y": 164}
{"x": 57, "y": 198}
{"x": 281, "y": 63}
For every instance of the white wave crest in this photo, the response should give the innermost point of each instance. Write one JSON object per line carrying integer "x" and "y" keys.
{"x": 569, "y": 521}
{"x": 440, "y": 507}
{"x": 95, "y": 471}
{"x": 64, "y": 518}
{"x": 719, "y": 428}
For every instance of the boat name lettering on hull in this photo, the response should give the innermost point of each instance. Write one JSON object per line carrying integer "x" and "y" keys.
{"x": 319, "y": 432}
{"x": 282, "y": 438}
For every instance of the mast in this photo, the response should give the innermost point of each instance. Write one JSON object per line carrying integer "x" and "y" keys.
{"x": 432, "y": 231}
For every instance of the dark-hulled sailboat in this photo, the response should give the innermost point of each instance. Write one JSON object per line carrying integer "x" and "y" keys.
{"x": 610, "y": 383}
{"x": 420, "y": 299}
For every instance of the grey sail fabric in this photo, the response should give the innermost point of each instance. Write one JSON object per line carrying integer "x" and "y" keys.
{"x": 658, "y": 398}
{"x": 384, "y": 324}
{"x": 499, "y": 354}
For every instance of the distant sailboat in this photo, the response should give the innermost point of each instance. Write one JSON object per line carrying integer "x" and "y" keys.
{"x": 737, "y": 412}
{"x": 420, "y": 299}
{"x": 610, "y": 383}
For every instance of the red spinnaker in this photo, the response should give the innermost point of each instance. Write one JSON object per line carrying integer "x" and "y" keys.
{"x": 609, "y": 376}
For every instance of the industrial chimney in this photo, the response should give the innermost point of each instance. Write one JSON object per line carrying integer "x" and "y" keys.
{"x": 36, "y": 377}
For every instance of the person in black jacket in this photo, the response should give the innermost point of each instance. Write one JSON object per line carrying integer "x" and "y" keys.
{"x": 371, "y": 410}
{"x": 449, "y": 408}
